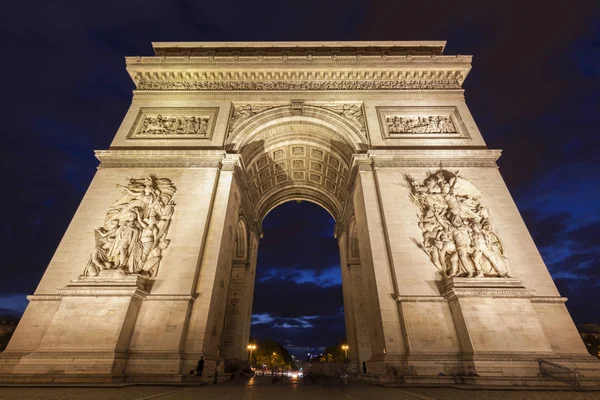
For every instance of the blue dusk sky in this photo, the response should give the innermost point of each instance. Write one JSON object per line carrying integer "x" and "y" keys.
{"x": 534, "y": 92}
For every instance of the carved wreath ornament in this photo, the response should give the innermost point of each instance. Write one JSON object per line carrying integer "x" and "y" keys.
{"x": 134, "y": 234}
{"x": 457, "y": 232}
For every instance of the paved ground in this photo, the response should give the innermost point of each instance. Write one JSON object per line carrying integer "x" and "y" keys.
{"x": 328, "y": 390}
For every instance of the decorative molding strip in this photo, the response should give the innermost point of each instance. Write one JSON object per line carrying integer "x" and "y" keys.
{"x": 548, "y": 299}
{"x": 231, "y": 161}
{"x": 44, "y": 297}
{"x": 420, "y": 299}
{"x": 154, "y": 355}
{"x": 310, "y": 58}
{"x": 102, "y": 292}
{"x": 421, "y": 123}
{"x": 434, "y": 158}
{"x": 146, "y": 84}
{"x": 67, "y": 355}
{"x": 488, "y": 293}
{"x": 170, "y": 297}
{"x": 174, "y": 123}
{"x": 160, "y": 158}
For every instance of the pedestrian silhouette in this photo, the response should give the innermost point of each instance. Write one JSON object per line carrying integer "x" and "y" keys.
{"x": 200, "y": 367}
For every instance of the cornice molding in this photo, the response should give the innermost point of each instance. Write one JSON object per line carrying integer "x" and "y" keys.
{"x": 161, "y": 158}
{"x": 195, "y": 95}
{"x": 102, "y": 292}
{"x": 431, "y": 158}
{"x": 419, "y": 299}
{"x": 549, "y": 299}
{"x": 44, "y": 297}
{"x": 169, "y": 297}
{"x": 282, "y": 60}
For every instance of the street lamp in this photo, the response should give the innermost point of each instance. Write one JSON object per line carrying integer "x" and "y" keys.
{"x": 251, "y": 347}
{"x": 345, "y": 348}
{"x": 272, "y": 361}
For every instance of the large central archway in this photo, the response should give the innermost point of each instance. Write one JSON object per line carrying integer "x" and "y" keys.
{"x": 292, "y": 154}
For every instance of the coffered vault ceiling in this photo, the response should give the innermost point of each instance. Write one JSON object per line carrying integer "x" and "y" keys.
{"x": 297, "y": 161}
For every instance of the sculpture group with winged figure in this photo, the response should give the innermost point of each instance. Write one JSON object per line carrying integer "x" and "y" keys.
{"x": 134, "y": 234}
{"x": 457, "y": 232}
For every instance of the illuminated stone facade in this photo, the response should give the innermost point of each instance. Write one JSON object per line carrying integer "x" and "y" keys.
{"x": 440, "y": 275}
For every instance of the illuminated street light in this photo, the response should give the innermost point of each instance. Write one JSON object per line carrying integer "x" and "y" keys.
{"x": 251, "y": 347}
{"x": 345, "y": 348}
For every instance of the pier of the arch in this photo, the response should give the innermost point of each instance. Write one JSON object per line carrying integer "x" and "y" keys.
{"x": 440, "y": 275}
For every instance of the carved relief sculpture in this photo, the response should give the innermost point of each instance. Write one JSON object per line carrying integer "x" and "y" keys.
{"x": 173, "y": 125}
{"x": 431, "y": 124}
{"x": 133, "y": 237}
{"x": 457, "y": 233}
{"x": 353, "y": 112}
{"x": 145, "y": 84}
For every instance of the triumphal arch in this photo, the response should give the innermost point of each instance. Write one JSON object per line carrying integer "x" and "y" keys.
{"x": 441, "y": 279}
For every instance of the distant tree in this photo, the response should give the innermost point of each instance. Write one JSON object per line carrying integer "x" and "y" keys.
{"x": 272, "y": 354}
{"x": 333, "y": 354}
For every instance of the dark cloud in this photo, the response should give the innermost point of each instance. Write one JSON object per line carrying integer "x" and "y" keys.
{"x": 298, "y": 337}
{"x": 546, "y": 229}
{"x": 583, "y": 298}
{"x": 298, "y": 236}
{"x": 284, "y": 298}
{"x": 586, "y": 238}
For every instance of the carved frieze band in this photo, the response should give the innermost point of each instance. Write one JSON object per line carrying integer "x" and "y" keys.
{"x": 146, "y": 84}
{"x": 421, "y": 123}
{"x": 174, "y": 123}
{"x": 487, "y": 292}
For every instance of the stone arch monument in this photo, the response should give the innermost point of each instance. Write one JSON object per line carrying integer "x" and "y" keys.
{"x": 441, "y": 278}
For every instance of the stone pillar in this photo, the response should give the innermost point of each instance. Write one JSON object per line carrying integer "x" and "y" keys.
{"x": 233, "y": 311}
{"x": 386, "y": 334}
{"x": 361, "y": 324}
{"x": 205, "y": 329}
{"x": 245, "y": 316}
{"x": 355, "y": 298}
{"x": 348, "y": 295}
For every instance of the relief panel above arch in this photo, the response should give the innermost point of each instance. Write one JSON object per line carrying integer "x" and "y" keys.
{"x": 422, "y": 123}
{"x": 173, "y": 123}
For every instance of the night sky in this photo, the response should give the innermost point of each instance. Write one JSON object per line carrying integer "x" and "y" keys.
{"x": 534, "y": 91}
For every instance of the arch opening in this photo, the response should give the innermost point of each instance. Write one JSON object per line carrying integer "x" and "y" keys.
{"x": 298, "y": 298}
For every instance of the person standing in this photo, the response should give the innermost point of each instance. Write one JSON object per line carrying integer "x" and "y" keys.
{"x": 200, "y": 367}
